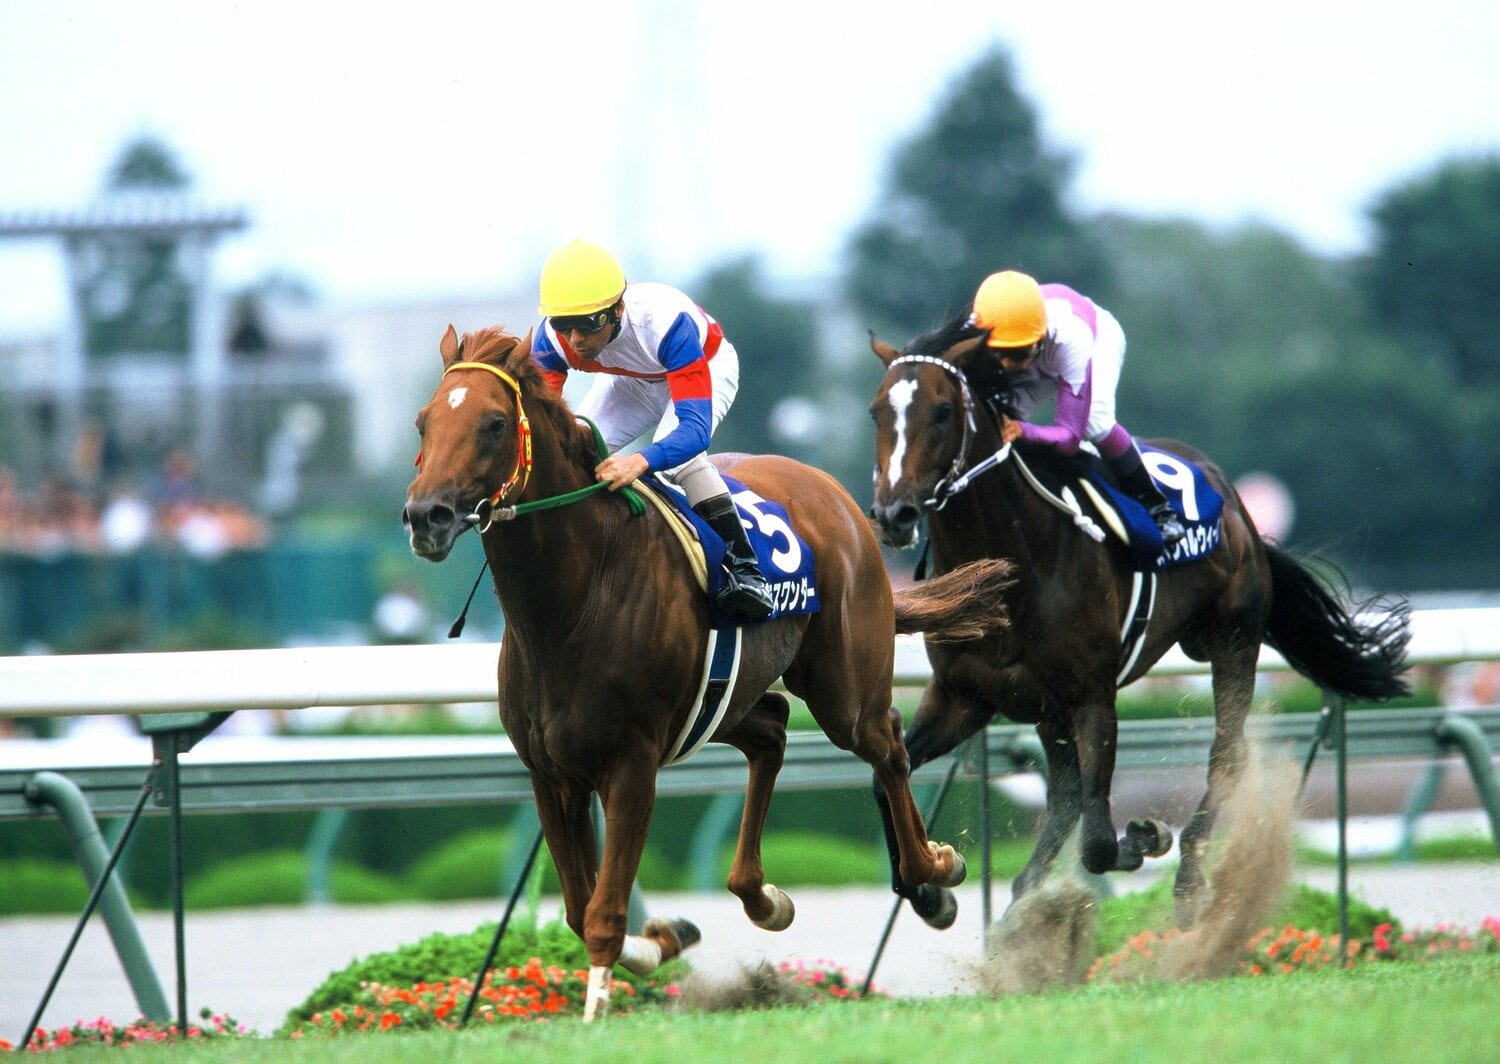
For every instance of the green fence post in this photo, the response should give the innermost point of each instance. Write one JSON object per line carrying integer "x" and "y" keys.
{"x": 1469, "y": 738}
{"x": 63, "y": 795}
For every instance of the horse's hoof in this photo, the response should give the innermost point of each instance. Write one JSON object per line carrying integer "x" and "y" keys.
{"x": 782, "y": 910}
{"x": 958, "y": 870}
{"x": 1151, "y": 838}
{"x": 673, "y": 936}
{"x": 937, "y": 907}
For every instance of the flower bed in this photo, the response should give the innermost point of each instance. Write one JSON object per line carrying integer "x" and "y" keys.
{"x": 1293, "y": 949}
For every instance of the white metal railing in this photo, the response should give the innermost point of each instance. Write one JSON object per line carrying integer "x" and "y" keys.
{"x": 304, "y": 677}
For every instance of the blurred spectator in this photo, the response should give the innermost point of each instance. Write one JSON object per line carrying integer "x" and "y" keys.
{"x": 177, "y": 484}
{"x": 13, "y": 511}
{"x": 127, "y": 520}
{"x": 65, "y": 519}
{"x": 60, "y": 518}
{"x": 1472, "y": 685}
{"x": 401, "y": 616}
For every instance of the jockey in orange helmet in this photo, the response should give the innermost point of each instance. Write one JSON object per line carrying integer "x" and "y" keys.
{"x": 663, "y": 364}
{"x": 1052, "y": 340}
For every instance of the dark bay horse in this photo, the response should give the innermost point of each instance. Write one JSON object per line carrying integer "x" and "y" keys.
{"x": 1058, "y": 663}
{"x": 605, "y": 638}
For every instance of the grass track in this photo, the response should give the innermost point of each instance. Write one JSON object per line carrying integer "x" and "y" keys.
{"x": 1437, "y": 1012}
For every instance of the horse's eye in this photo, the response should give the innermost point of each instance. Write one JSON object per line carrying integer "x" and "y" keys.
{"x": 495, "y": 425}
{"x": 941, "y": 415}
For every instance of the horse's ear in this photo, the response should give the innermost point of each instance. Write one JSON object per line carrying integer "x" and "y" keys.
{"x": 965, "y": 351}
{"x": 523, "y": 349}
{"x": 448, "y": 346}
{"x": 883, "y": 351}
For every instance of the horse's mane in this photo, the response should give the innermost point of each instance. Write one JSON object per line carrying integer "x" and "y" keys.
{"x": 937, "y": 341}
{"x": 497, "y": 345}
{"x": 984, "y": 374}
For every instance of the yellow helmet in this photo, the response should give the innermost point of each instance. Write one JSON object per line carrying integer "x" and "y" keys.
{"x": 580, "y": 278}
{"x": 1010, "y": 305}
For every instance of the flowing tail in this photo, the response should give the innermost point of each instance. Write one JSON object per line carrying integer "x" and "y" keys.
{"x": 1358, "y": 652}
{"x": 965, "y": 604}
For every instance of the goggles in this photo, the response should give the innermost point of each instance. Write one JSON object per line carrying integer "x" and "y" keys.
{"x": 588, "y": 324}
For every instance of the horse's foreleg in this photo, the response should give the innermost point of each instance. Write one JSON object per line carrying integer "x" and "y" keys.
{"x": 628, "y": 794}
{"x": 1064, "y": 805}
{"x": 1096, "y": 732}
{"x": 1234, "y": 689}
{"x": 761, "y": 737}
{"x": 568, "y": 826}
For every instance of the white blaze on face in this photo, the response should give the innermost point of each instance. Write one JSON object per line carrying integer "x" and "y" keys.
{"x": 456, "y": 396}
{"x": 900, "y": 397}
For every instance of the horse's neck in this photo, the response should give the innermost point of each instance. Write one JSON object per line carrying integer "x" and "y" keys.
{"x": 999, "y": 515}
{"x": 545, "y": 564}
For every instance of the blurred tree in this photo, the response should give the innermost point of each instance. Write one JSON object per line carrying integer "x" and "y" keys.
{"x": 777, "y": 343}
{"x": 1211, "y": 317}
{"x": 974, "y": 192}
{"x": 1261, "y": 354}
{"x": 1435, "y": 271}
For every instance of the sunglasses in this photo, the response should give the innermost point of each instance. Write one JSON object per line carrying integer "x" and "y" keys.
{"x": 588, "y": 324}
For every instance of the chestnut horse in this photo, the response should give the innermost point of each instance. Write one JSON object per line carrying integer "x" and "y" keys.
{"x": 605, "y": 636}
{"x": 1059, "y": 662}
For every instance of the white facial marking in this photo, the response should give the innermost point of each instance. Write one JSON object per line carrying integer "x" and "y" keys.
{"x": 456, "y": 396}
{"x": 900, "y": 396}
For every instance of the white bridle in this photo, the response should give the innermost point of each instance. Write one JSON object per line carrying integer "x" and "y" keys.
{"x": 957, "y": 478}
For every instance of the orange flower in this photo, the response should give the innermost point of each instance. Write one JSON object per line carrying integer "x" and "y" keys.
{"x": 389, "y": 1020}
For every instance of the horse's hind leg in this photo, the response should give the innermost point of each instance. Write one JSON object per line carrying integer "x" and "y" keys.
{"x": 919, "y": 860}
{"x": 1234, "y": 690}
{"x": 761, "y": 737}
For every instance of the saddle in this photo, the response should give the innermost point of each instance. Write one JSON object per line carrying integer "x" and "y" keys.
{"x": 1084, "y": 486}
{"x": 785, "y": 560}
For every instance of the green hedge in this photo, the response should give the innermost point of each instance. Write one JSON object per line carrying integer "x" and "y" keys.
{"x": 279, "y": 877}
{"x": 474, "y": 865}
{"x": 813, "y": 859}
{"x": 1304, "y": 907}
{"x": 40, "y": 885}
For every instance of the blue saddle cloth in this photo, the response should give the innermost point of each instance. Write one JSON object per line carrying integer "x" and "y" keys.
{"x": 1196, "y": 501}
{"x": 785, "y": 560}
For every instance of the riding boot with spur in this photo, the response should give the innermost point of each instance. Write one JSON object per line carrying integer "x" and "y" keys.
{"x": 745, "y": 593}
{"x": 1131, "y": 472}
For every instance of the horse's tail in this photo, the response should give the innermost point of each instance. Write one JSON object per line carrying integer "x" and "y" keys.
{"x": 1358, "y": 652}
{"x": 963, "y": 604}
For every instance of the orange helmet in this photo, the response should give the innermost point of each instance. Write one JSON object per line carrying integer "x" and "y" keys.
{"x": 1010, "y": 305}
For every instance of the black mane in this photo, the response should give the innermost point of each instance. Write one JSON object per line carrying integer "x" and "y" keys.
{"x": 937, "y": 341}
{"x": 987, "y": 380}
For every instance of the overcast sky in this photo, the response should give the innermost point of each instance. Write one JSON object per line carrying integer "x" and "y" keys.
{"x": 393, "y": 151}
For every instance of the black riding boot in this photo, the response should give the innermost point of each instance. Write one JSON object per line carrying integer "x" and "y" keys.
{"x": 1131, "y": 472}
{"x": 745, "y": 593}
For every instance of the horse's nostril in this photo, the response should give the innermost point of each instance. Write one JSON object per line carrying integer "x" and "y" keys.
{"x": 906, "y": 516}
{"x": 441, "y": 516}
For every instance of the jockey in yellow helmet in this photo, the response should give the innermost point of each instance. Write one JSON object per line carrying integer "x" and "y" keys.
{"x": 663, "y": 364}
{"x": 1053, "y": 341}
